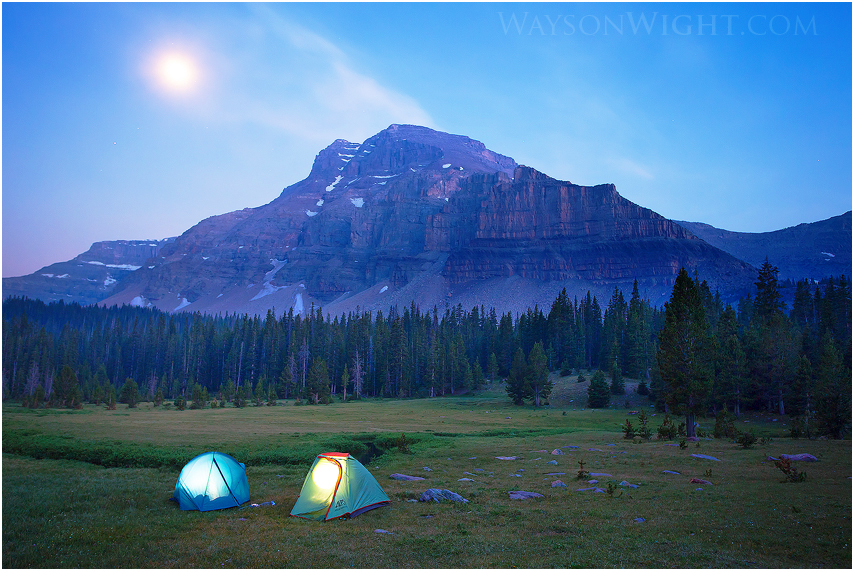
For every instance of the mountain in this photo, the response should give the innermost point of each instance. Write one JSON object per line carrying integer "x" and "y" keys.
{"x": 88, "y": 277}
{"x": 413, "y": 214}
{"x": 810, "y": 250}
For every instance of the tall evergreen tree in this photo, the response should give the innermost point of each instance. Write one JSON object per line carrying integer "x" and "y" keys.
{"x": 518, "y": 387}
{"x": 685, "y": 347}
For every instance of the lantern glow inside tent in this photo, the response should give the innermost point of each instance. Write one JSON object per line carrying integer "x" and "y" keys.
{"x": 338, "y": 486}
{"x": 211, "y": 481}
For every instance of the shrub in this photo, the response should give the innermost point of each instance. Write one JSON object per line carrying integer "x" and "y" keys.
{"x": 581, "y": 379}
{"x": 792, "y": 475}
{"x": 582, "y": 474}
{"x": 644, "y": 431}
{"x": 724, "y": 426}
{"x": 642, "y": 388}
{"x": 746, "y": 439}
{"x": 667, "y": 431}
{"x": 628, "y": 430}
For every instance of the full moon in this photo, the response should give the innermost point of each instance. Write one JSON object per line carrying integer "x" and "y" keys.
{"x": 177, "y": 72}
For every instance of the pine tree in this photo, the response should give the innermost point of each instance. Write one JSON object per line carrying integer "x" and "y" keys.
{"x": 684, "y": 355}
{"x": 599, "y": 394}
{"x": 538, "y": 374}
{"x": 318, "y": 383}
{"x": 518, "y": 388}
{"x": 834, "y": 392}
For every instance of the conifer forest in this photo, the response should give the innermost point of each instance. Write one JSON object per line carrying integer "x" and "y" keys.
{"x": 696, "y": 355}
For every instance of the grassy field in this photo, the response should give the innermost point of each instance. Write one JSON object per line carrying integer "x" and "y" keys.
{"x": 114, "y": 511}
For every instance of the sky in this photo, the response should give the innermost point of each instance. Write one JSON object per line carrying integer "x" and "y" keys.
{"x": 138, "y": 120}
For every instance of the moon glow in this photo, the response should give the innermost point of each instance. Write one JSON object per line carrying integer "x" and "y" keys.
{"x": 177, "y": 72}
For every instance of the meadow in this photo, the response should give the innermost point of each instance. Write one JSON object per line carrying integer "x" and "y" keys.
{"x": 91, "y": 489}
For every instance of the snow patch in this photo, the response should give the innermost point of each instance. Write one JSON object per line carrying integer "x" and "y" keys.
{"x": 48, "y": 275}
{"x": 298, "y": 303}
{"x": 383, "y": 176}
{"x": 446, "y": 166}
{"x": 311, "y": 213}
{"x": 446, "y": 199}
{"x": 358, "y": 202}
{"x": 203, "y": 258}
{"x": 828, "y": 254}
{"x": 119, "y": 266}
{"x": 383, "y": 289}
{"x": 184, "y": 303}
{"x": 63, "y": 276}
{"x": 343, "y": 155}
{"x": 320, "y": 203}
{"x": 109, "y": 281}
{"x": 277, "y": 266}
{"x": 138, "y": 301}
{"x": 266, "y": 291}
{"x": 334, "y": 183}
{"x": 150, "y": 267}
{"x": 219, "y": 295}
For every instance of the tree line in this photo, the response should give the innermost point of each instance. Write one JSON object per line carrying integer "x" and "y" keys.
{"x": 755, "y": 356}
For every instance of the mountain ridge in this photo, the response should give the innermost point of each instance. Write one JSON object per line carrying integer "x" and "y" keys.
{"x": 416, "y": 215}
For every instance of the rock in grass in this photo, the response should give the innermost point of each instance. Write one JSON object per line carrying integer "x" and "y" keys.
{"x": 438, "y": 495}
{"x": 800, "y": 457}
{"x": 400, "y": 477}
{"x": 507, "y": 458}
{"x": 522, "y": 495}
{"x": 670, "y": 472}
{"x": 600, "y": 474}
{"x": 627, "y": 484}
{"x": 381, "y": 531}
{"x": 639, "y": 519}
{"x": 465, "y": 480}
{"x": 557, "y": 452}
{"x": 696, "y": 481}
{"x": 707, "y": 457}
{"x": 557, "y": 484}
{"x": 552, "y": 462}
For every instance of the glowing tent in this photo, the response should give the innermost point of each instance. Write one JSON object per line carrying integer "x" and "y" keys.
{"x": 211, "y": 481}
{"x": 338, "y": 486}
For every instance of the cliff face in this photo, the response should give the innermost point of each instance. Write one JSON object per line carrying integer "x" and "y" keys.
{"x": 415, "y": 214}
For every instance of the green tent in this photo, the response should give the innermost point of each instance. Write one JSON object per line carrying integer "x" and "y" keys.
{"x": 211, "y": 481}
{"x": 338, "y": 486}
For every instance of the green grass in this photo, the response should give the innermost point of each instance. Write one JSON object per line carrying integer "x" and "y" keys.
{"x": 61, "y": 512}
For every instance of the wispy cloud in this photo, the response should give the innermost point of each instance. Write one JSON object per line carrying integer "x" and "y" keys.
{"x": 289, "y": 78}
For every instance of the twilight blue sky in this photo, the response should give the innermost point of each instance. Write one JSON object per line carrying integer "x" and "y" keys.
{"x": 738, "y": 115}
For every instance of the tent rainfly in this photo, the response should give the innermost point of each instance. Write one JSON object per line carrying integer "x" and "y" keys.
{"x": 338, "y": 486}
{"x": 211, "y": 481}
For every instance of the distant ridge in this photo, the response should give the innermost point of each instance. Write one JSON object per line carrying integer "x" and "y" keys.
{"x": 809, "y": 250}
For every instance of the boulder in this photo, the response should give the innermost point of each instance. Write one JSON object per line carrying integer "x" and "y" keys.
{"x": 697, "y": 481}
{"x": 558, "y": 483}
{"x": 699, "y": 456}
{"x": 400, "y": 477}
{"x": 800, "y": 457}
{"x": 599, "y": 474}
{"x": 522, "y": 495}
{"x": 557, "y": 452}
{"x": 627, "y": 484}
{"x": 438, "y": 495}
{"x": 666, "y": 472}
{"x": 465, "y": 480}
{"x": 507, "y": 458}
{"x": 552, "y": 462}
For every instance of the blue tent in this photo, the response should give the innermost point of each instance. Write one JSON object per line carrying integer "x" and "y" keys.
{"x": 211, "y": 481}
